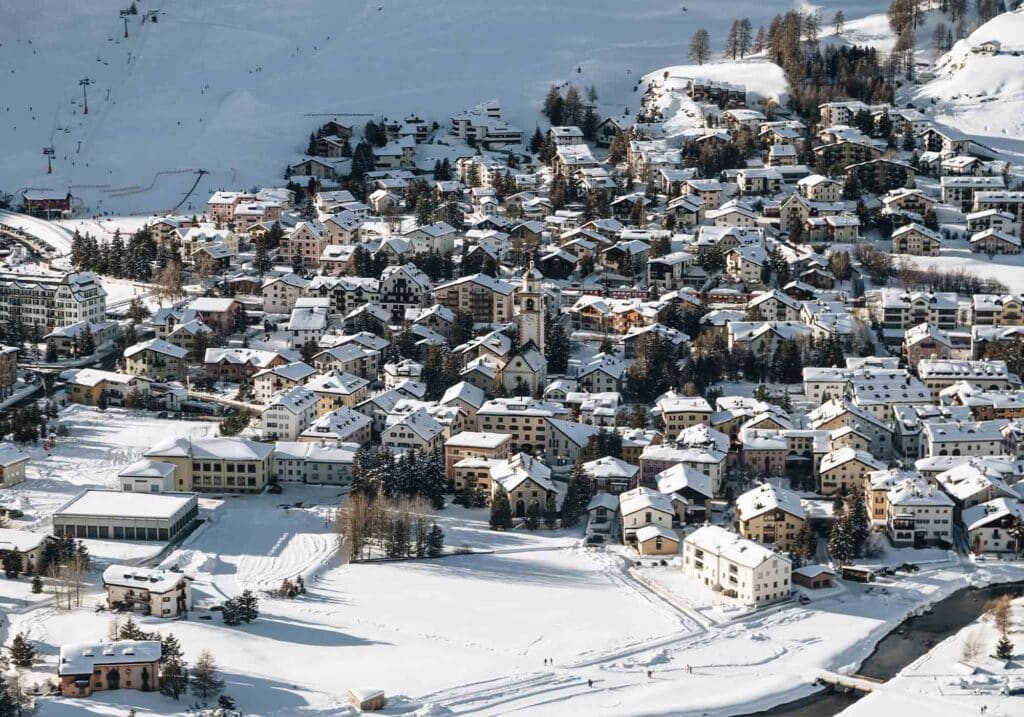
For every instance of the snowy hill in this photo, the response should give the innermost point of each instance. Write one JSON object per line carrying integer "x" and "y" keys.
{"x": 235, "y": 86}
{"x": 229, "y": 86}
{"x": 983, "y": 94}
{"x": 762, "y": 79}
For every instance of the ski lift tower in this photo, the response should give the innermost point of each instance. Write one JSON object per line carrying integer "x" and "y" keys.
{"x": 85, "y": 82}
{"x": 49, "y": 152}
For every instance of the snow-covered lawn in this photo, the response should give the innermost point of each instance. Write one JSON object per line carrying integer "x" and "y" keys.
{"x": 465, "y": 634}
{"x": 256, "y": 542}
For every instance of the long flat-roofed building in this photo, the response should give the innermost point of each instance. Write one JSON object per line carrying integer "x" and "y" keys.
{"x": 110, "y": 514}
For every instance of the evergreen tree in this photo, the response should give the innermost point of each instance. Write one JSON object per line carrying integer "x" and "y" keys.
{"x": 130, "y": 630}
{"x": 9, "y": 703}
{"x": 536, "y": 141}
{"x": 572, "y": 107}
{"x": 577, "y": 496}
{"x": 556, "y": 347}
{"x": 173, "y": 669}
{"x": 204, "y": 679}
{"x": 230, "y": 612}
{"x": 804, "y": 544}
{"x": 501, "y": 510}
{"x": 86, "y": 342}
{"x": 840, "y": 542}
{"x": 1004, "y": 648}
{"x": 23, "y": 653}
{"x": 431, "y": 479}
{"x": 435, "y": 541}
{"x": 363, "y": 161}
{"x": 262, "y": 262}
{"x": 12, "y": 561}
{"x": 857, "y": 519}
{"x": 553, "y": 105}
{"x": 37, "y": 585}
{"x": 248, "y": 606}
{"x": 533, "y": 515}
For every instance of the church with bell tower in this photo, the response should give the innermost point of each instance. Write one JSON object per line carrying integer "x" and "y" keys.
{"x": 531, "y": 309}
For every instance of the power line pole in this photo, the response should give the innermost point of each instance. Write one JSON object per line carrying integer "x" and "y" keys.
{"x": 85, "y": 82}
{"x": 124, "y": 16}
{"x": 49, "y": 152}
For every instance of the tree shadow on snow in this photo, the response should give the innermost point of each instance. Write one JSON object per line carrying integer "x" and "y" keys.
{"x": 304, "y": 633}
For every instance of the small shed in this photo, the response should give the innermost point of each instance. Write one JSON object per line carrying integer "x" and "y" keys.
{"x": 367, "y": 700}
{"x": 656, "y": 540}
{"x": 858, "y": 574}
{"x": 814, "y": 577}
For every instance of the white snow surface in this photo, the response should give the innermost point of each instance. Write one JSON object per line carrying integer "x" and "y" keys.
{"x": 236, "y": 86}
{"x": 983, "y": 95}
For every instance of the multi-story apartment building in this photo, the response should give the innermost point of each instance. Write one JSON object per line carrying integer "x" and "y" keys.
{"x": 736, "y": 567}
{"x": 487, "y": 299}
{"x": 919, "y": 513}
{"x": 50, "y": 299}
{"x": 995, "y": 309}
{"x": 896, "y": 309}
{"x": 288, "y": 414}
{"x": 524, "y": 419}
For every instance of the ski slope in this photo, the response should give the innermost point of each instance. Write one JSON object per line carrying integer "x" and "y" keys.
{"x": 235, "y": 86}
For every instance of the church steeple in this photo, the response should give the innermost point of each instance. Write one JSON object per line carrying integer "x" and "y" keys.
{"x": 531, "y": 308}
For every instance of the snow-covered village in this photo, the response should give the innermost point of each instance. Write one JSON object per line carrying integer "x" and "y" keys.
{"x": 465, "y": 358}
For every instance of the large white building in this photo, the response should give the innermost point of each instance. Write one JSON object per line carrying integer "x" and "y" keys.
{"x": 735, "y": 566}
{"x": 51, "y": 299}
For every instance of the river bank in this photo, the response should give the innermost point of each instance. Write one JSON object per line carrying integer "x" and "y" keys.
{"x": 937, "y": 619}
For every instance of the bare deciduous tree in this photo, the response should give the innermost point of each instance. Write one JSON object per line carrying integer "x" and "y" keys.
{"x": 974, "y": 645}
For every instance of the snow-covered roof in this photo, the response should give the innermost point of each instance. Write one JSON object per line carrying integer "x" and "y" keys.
{"x": 83, "y": 658}
{"x": 728, "y": 545}
{"x": 105, "y": 503}
{"x": 680, "y": 477}
{"x": 148, "y": 469}
{"x": 649, "y": 532}
{"x": 215, "y": 448}
{"x": 478, "y": 439}
{"x": 158, "y": 346}
{"x": 766, "y": 498}
{"x": 20, "y": 540}
{"x": 637, "y": 499}
{"x": 155, "y": 580}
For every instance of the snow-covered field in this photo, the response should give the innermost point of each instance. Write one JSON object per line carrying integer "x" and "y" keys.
{"x": 955, "y": 255}
{"x": 466, "y": 634}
